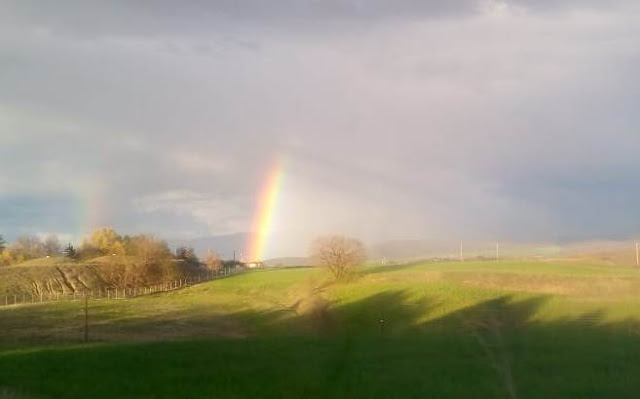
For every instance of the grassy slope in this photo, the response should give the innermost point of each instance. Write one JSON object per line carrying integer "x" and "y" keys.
{"x": 60, "y": 274}
{"x": 525, "y": 329}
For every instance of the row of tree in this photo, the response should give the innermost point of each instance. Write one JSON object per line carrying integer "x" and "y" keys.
{"x": 103, "y": 241}
{"x": 339, "y": 254}
{"x": 28, "y": 247}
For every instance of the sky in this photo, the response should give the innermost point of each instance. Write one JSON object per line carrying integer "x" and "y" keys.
{"x": 403, "y": 119}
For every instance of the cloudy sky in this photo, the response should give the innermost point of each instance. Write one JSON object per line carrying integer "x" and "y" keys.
{"x": 392, "y": 119}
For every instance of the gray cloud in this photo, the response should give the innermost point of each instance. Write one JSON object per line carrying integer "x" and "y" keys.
{"x": 395, "y": 119}
{"x": 196, "y": 17}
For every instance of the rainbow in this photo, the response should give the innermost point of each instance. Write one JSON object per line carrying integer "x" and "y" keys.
{"x": 264, "y": 212}
{"x": 91, "y": 210}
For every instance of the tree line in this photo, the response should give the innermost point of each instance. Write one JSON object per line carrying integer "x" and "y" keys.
{"x": 339, "y": 254}
{"x": 103, "y": 241}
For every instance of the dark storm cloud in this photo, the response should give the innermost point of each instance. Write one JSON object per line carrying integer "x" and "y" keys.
{"x": 594, "y": 198}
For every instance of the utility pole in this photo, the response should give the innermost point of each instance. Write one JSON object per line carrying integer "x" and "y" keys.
{"x": 637, "y": 255}
{"x": 497, "y": 252}
{"x": 461, "y": 253}
{"x": 234, "y": 256}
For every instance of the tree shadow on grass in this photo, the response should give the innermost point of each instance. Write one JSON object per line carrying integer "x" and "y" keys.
{"x": 384, "y": 345}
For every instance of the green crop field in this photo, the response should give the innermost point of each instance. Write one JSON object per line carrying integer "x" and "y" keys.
{"x": 525, "y": 329}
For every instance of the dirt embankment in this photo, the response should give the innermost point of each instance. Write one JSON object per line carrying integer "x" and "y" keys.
{"x": 79, "y": 277}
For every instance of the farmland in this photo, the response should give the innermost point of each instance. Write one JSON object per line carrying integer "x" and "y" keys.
{"x": 473, "y": 329}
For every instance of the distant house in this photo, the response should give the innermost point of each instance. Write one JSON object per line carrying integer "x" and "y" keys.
{"x": 254, "y": 265}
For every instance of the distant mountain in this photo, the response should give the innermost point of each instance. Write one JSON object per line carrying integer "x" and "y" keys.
{"x": 407, "y": 250}
{"x": 223, "y": 245}
{"x": 398, "y": 250}
{"x": 288, "y": 262}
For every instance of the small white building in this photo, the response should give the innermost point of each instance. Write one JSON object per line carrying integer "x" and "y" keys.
{"x": 254, "y": 265}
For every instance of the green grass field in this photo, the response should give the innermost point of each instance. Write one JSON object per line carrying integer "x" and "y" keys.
{"x": 448, "y": 330}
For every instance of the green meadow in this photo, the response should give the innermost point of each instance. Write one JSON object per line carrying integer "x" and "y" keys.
{"x": 517, "y": 329}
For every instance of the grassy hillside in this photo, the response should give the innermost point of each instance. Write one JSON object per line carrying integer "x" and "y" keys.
{"x": 63, "y": 275}
{"x": 474, "y": 329}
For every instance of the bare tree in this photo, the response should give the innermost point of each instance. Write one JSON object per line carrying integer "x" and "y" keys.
{"x": 339, "y": 254}
{"x": 29, "y": 246}
{"x": 213, "y": 261}
{"x": 187, "y": 254}
{"x": 150, "y": 248}
{"x": 52, "y": 245}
